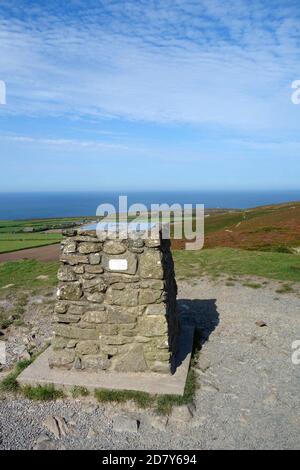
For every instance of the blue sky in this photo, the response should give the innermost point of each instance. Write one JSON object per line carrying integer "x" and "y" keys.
{"x": 148, "y": 94}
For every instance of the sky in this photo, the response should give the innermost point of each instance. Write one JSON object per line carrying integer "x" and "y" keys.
{"x": 149, "y": 94}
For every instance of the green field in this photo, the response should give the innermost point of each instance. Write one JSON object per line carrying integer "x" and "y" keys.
{"x": 19, "y": 241}
{"x": 17, "y": 226}
{"x": 14, "y": 234}
{"x": 188, "y": 264}
{"x": 266, "y": 228}
{"x": 253, "y": 242}
{"x": 25, "y": 273}
{"x": 278, "y": 266}
{"x": 21, "y": 234}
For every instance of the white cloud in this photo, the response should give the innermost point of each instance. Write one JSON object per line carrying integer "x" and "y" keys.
{"x": 178, "y": 61}
{"x": 65, "y": 143}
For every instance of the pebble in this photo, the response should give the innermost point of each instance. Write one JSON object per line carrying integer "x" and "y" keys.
{"x": 90, "y": 409}
{"x": 42, "y": 437}
{"x": 203, "y": 364}
{"x": 123, "y": 423}
{"x": 182, "y": 413}
{"x": 159, "y": 422}
{"x": 260, "y": 323}
{"x": 56, "y": 426}
{"x": 47, "y": 444}
{"x": 220, "y": 421}
{"x": 91, "y": 434}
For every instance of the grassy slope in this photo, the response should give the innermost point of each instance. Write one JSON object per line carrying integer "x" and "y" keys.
{"x": 12, "y": 237}
{"x": 23, "y": 274}
{"x": 260, "y": 228}
{"x": 14, "y": 241}
{"x": 246, "y": 227}
{"x": 280, "y": 266}
{"x": 188, "y": 264}
{"x": 16, "y": 226}
{"x": 266, "y": 227}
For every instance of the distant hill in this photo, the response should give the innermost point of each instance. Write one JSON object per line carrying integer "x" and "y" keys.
{"x": 267, "y": 228}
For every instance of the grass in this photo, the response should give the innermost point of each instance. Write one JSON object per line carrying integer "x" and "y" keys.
{"x": 162, "y": 404}
{"x": 42, "y": 392}
{"x": 142, "y": 399}
{"x": 234, "y": 262}
{"x": 19, "y": 241}
{"x": 285, "y": 289}
{"x": 269, "y": 228}
{"x": 222, "y": 221}
{"x": 39, "y": 392}
{"x": 9, "y": 316}
{"x": 38, "y": 236}
{"x": 275, "y": 249}
{"x": 280, "y": 265}
{"x": 17, "y": 226}
{"x": 7, "y": 246}
{"x": 13, "y": 235}
{"x": 77, "y": 392}
{"x": 189, "y": 264}
{"x": 252, "y": 285}
{"x": 10, "y": 383}
{"x": 24, "y": 274}
{"x": 165, "y": 403}
{"x": 229, "y": 219}
{"x": 19, "y": 322}
{"x": 5, "y": 322}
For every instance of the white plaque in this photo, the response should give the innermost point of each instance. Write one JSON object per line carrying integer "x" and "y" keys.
{"x": 118, "y": 264}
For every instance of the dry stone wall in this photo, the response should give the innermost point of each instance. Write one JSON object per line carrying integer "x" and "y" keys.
{"x": 116, "y": 307}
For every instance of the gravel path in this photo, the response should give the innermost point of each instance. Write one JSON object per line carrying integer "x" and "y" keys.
{"x": 248, "y": 395}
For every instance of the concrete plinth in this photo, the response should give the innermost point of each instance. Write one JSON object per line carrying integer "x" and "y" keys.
{"x": 39, "y": 373}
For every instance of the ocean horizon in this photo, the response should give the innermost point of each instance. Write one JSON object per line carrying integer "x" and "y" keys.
{"x": 16, "y": 206}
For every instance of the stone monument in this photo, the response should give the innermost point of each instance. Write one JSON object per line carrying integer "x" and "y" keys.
{"x": 116, "y": 303}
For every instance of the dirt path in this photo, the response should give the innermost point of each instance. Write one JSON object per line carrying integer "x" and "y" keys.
{"x": 248, "y": 386}
{"x": 248, "y": 395}
{"x": 43, "y": 253}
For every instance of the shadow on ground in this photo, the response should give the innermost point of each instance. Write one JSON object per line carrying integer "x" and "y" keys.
{"x": 199, "y": 316}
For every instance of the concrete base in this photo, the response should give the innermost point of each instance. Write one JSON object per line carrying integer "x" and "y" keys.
{"x": 39, "y": 373}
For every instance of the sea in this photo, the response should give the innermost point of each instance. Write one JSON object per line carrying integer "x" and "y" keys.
{"x": 14, "y": 206}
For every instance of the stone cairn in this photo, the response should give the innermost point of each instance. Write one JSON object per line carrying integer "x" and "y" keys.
{"x": 116, "y": 307}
